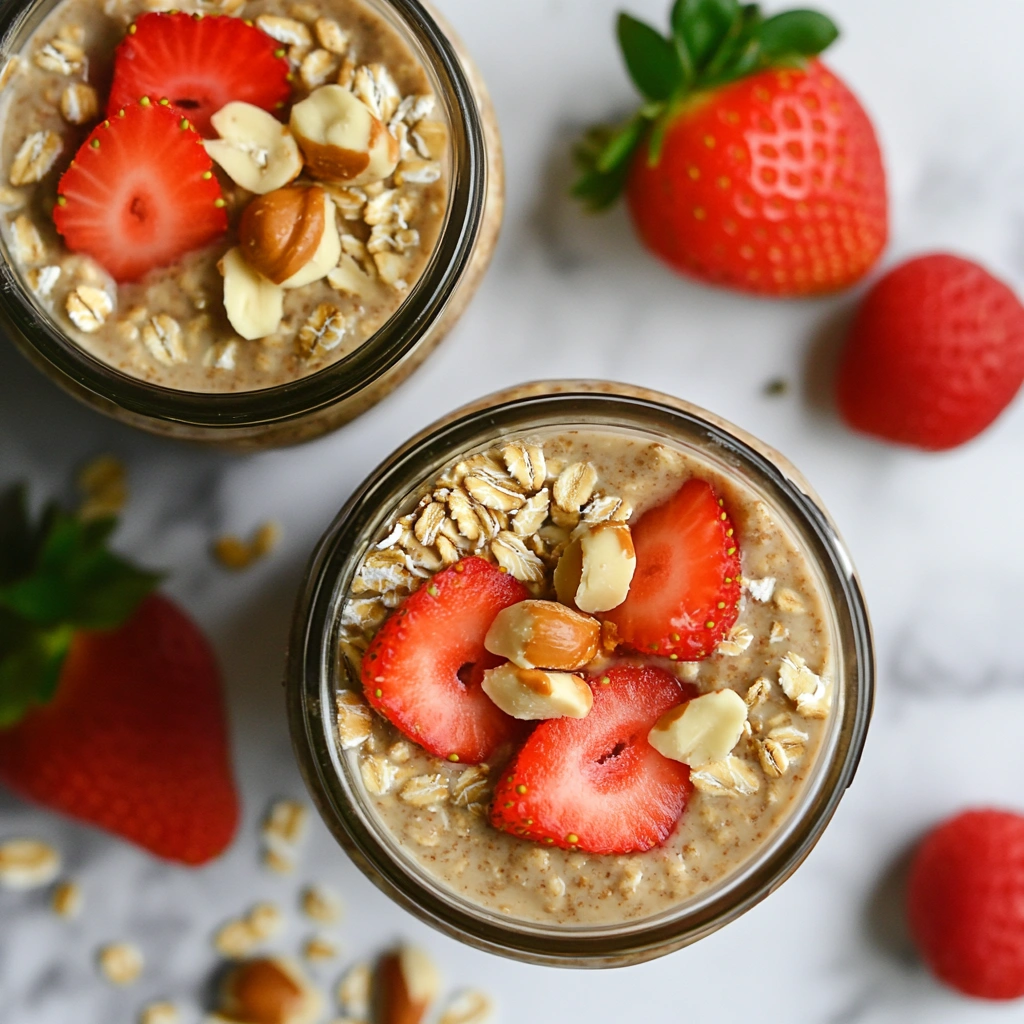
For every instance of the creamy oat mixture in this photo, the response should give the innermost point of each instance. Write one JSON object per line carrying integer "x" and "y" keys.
{"x": 502, "y": 506}
{"x": 171, "y": 328}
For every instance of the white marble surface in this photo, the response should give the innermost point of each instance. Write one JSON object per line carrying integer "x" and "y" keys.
{"x": 934, "y": 538}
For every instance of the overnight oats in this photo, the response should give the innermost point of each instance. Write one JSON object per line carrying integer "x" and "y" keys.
{"x": 591, "y": 676}
{"x": 237, "y": 198}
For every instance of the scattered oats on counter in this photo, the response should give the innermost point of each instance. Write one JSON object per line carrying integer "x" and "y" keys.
{"x": 67, "y": 899}
{"x": 320, "y": 948}
{"x": 468, "y": 1007}
{"x": 27, "y": 864}
{"x": 160, "y": 1013}
{"x": 120, "y": 963}
{"x": 104, "y": 485}
{"x": 354, "y": 990}
{"x": 284, "y": 830}
{"x": 241, "y": 937}
{"x": 236, "y": 554}
{"x": 320, "y": 903}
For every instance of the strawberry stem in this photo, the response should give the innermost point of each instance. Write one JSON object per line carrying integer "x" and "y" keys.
{"x": 712, "y": 43}
{"x": 56, "y": 577}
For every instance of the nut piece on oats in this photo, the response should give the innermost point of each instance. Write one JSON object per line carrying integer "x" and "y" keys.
{"x": 280, "y": 231}
{"x": 27, "y": 864}
{"x": 535, "y": 694}
{"x": 341, "y": 139}
{"x": 408, "y": 984}
{"x": 254, "y": 304}
{"x": 326, "y": 255}
{"x": 702, "y": 730}
{"x": 255, "y": 150}
{"x": 544, "y": 634}
{"x": 596, "y": 569}
{"x": 270, "y": 991}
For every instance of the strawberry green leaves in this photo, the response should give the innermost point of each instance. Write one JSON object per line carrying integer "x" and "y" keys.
{"x": 652, "y": 60}
{"x": 56, "y": 577}
{"x": 712, "y": 43}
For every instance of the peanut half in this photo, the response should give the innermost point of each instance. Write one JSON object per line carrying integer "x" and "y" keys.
{"x": 533, "y": 694}
{"x": 544, "y": 634}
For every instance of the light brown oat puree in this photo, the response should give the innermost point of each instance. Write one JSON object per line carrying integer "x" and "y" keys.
{"x": 438, "y": 810}
{"x": 191, "y": 292}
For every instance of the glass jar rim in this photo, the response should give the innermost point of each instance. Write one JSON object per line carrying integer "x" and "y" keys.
{"x": 312, "y": 656}
{"x": 392, "y": 343}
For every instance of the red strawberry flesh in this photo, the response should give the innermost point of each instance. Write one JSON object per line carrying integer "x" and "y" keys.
{"x": 424, "y": 667}
{"x": 685, "y": 592}
{"x": 199, "y": 64}
{"x": 595, "y": 783}
{"x": 140, "y": 193}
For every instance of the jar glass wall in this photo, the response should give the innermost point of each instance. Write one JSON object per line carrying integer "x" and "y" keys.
{"x": 316, "y": 672}
{"x": 310, "y": 405}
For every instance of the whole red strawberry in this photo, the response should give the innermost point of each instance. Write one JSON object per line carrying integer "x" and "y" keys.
{"x": 110, "y": 698}
{"x": 751, "y": 165}
{"x": 934, "y": 355}
{"x": 966, "y": 903}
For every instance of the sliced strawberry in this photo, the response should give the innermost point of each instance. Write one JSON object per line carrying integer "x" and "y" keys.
{"x": 685, "y": 593}
{"x": 424, "y": 668}
{"x": 140, "y": 193}
{"x": 595, "y": 783}
{"x": 199, "y": 64}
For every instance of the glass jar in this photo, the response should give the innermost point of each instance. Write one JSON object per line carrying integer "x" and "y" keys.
{"x": 316, "y": 672}
{"x": 307, "y": 407}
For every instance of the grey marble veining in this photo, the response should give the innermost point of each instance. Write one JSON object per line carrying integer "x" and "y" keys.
{"x": 936, "y": 538}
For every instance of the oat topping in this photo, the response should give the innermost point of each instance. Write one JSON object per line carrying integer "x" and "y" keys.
{"x": 378, "y": 774}
{"x": 331, "y": 36}
{"x": 778, "y": 633}
{"x": 37, "y": 155}
{"x": 373, "y": 84}
{"x": 42, "y": 279}
{"x": 61, "y": 56}
{"x": 88, "y": 307}
{"x": 355, "y": 719}
{"x": 284, "y": 30}
{"x": 759, "y": 692}
{"x": 317, "y": 67}
{"x": 425, "y": 791}
{"x": 27, "y": 863}
{"x": 120, "y": 963}
{"x": 162, "y": 338}
{"x": 9, "y": 70}
{"x": 738, "y": 640}
{"x": 787, "y": 600}
{"x": 810, "y": 693}
{"x": 28, "y": 245}
{"x": 762, "y": 589}
{"x": 323, "y": 332}
{"x": 731, "y": 776}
